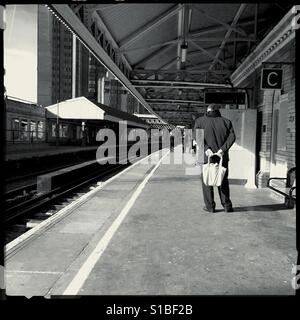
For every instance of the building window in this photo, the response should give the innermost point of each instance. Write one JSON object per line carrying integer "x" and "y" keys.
{"x": 63, "y": 130}
{"x": 32, "y": 129}
{"x": 24, "y": 129}
{"x": 53, "y": 129}
{"x": 282, "y": 126}
{"x": 15, "y": 129}
{"x": 78, "y": 132}
{"x": 40, "y": 129}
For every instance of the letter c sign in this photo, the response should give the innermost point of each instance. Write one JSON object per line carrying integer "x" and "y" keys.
{"x": 271, "y": 79}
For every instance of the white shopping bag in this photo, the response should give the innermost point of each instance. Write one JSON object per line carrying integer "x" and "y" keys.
{"x": 213, "y": 173}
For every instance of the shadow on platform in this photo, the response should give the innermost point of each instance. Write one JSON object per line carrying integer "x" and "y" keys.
{"x": 266, "y": 207}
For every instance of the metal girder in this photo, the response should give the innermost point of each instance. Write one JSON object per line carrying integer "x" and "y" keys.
{"x": 207, "y": 63}
{"x": 149, "y": 26}
{"x": 173, "y": 60}
{"x": 152, "y": 46}
{"x": 67, "y": 14}
{"x": 97, "y": 16}
{"x": 214, "y": 29}
{"x": 153, "y": 54}
{"x": 170, "y": 87}
{"x": 77, "y": 7}
{"x": 229, "y": 31}
{"x": 173, "y": 87}
{"x": 152, "y": 71}
{"x": 194, "y": 34}
{"x": 186, "y": 83}
{"x": 209, "y": 54}
{"x": 226, "y": 25}
{"x": 196, "y": 66}
{"x": 169, "y": 63}
{"x": 173, "y": 100}
{"x": 91, "y": 20}
{"x": 177, "y": 111}
{"x": 182, "y": 109}
{"x": 214, "y": 39}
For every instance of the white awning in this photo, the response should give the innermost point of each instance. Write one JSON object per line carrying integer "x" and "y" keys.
{"x": 77, "y": 108}
{"x": 82, "y": 108}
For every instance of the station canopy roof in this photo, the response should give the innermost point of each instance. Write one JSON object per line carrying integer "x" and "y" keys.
{"x": 175, "y": 51}
{"x": 82, "y": 108}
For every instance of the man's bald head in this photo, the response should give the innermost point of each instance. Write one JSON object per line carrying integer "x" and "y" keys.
{"x": 212, "y": 107}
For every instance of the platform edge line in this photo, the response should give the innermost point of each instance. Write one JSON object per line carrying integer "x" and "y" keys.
{"x": 83, "y": 273}
{"x": 21, "y": 240}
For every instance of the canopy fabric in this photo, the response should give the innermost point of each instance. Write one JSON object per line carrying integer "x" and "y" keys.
{"x": 78, "y": 108}
{"x": 83, "y": 109}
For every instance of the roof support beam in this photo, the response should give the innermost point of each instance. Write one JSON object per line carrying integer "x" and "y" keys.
{"x": 81, "y": 31}
{"x": 153, "y": 54}
{"x": 226, "y": 25}
{"x": 181, "y": 82}
{"x": 194, "y": 38}
{"x": 189, "y": 87}
{"x": 168, "y": 64}
{"x": 149, "y": 26}
{"x": 173, "y": 100}
{"x": 195, "y": 34}
{"x": 98, "y": 18}
{"x": 176, "y": 111}
{"x": 216, "y": 39}
{"x": 151, "y": 71}
{"x": 228, "y": 33}
{"x": 174, "y": 87}
{"x": 209, "y": 54}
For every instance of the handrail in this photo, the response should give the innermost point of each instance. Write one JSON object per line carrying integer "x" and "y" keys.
{"x": 288, "y": 184}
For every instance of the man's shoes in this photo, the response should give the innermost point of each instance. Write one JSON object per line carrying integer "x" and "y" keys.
{"x": 209, "y": 210}
{"x": 229, "y": 209}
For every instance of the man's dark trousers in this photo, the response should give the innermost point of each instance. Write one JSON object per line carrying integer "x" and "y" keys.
{"x": 208, "y": 193}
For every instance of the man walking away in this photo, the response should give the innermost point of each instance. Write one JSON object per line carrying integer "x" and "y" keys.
{"x": 219, "y": 136}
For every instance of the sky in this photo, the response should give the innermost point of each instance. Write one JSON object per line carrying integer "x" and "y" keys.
{"x": 20, "y": 52}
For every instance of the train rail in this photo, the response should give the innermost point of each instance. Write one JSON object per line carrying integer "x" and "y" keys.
{"x": 37, "y": 173}
{"x": 21, "y": 215}
{"x": 20, "y": 191}
{"x": 15, "y": 210}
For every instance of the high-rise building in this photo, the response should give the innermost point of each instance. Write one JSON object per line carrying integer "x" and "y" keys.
{"x": 67, "y": 69}
{"x": 61, "y": 62}
{"x": 54, "y": 59}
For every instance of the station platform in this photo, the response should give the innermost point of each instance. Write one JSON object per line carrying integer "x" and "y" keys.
{"x": 27, "y": 151}
{"x": 145, "y": 233}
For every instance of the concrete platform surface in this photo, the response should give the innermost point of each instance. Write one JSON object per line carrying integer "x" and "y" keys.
{"x": 166, "y": 244}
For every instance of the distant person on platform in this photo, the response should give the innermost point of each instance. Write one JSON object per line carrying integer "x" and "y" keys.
{"x": 219, "y": 136}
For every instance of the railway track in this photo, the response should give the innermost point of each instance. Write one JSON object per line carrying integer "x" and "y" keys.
{"x": 37, "y": 173}
{"x": 17, "y": 208}
{"x": 20, "y": 191}
{"x": 25, "y": 212}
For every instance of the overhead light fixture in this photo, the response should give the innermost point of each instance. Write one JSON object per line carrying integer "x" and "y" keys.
{"x": 183, "y": 48}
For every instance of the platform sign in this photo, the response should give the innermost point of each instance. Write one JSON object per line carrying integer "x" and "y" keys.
{"x": 271, "y": 78}
{"x": 224, "y": 97}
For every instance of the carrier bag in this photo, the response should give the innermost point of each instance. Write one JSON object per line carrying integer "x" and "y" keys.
{"x": 213, "y": 173}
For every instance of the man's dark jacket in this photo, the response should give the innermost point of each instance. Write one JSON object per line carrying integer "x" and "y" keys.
{"x": 218, "y": 133}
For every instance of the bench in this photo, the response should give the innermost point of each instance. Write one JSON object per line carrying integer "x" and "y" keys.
{"x": 285, "y": 186}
